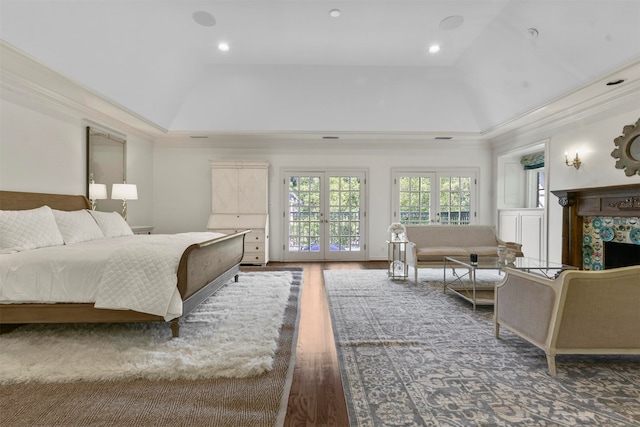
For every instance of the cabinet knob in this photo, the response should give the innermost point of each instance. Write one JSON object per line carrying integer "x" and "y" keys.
{"x": 257, "y": 248}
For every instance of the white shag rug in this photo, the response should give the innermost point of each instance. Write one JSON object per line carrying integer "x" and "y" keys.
{"x": 232, "y": 334}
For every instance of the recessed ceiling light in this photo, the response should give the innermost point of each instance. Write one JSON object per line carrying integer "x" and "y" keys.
{"x": 615, "y": 82}
{"x": 451, "y": 22}
{"x": 434, "y": 48}
{"x": 204, "y": 18}
{"x": 223, "y": 46}
{"x": 334, "y": 13}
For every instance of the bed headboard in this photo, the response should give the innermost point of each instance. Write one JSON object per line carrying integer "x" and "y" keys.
{"x": 18, "y": 200}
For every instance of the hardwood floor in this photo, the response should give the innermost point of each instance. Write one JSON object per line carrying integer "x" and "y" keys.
{"x": 316, "y": 397}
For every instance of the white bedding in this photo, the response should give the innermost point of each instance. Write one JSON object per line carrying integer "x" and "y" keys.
{"x": 129, "y": 272}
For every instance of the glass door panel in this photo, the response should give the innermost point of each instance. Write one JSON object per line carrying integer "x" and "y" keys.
{"x": 455, "y": 200}
{"x": 414, "y": 201}
{"x": 344, "y": 205}
{"x": 305, "y": 216}
{"x": 324, "y": 216}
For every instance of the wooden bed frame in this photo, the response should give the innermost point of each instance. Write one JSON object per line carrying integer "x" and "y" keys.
{"x": 203, "y": 269}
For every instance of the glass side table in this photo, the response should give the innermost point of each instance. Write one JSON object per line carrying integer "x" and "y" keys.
{"x": 397, "y": 258}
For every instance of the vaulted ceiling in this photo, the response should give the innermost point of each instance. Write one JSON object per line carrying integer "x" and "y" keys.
{"x": 291, "y": 66}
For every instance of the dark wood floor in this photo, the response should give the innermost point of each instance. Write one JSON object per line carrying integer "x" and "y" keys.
{"x": 316, "y": 397}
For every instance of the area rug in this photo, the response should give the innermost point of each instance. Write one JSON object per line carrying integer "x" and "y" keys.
{"x": 411, "y": 355}
{"x": 231, "y": 334}
{"x": 214, "y": 398}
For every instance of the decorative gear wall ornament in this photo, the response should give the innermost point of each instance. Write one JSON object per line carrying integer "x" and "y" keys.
{"x": 627, "y": 151}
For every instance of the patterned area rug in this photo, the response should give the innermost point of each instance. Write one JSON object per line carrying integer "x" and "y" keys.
{"x": 411, "y": 355}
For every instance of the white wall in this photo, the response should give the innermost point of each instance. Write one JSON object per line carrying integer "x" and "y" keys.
{"x": 592, "y": 137}
{"x": 256, "y": 97}
{"x": 182, "y": 198}
{"x": 45, "y": 151}
{"x": 41, "y": 153}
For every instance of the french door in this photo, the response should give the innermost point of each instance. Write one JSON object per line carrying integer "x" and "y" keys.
{"x": 324, "y": 218}
{"x": 441, "y": 197}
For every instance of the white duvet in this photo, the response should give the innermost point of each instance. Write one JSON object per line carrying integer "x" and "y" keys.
{"x": 131, "y": 272}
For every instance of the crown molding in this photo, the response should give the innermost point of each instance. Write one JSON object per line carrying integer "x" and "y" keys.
{"x": 591, "y": 99}
{"x": 24, "y": 79}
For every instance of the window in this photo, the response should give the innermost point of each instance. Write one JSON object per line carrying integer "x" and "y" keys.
{"x": 415, "y": 199}
{"x": 455, "y": 200}
{"x": 540, "y": 190}
{"x": 536, "y": 188}
{"x": 422, "y": 198}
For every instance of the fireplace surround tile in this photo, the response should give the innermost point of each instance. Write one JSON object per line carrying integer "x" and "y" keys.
{"x": 598, "y": 229}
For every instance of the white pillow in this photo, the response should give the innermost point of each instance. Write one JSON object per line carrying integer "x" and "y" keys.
{"x": 77, "y": 226}
{"x": 112, "y": 224}
{"x": 28, "y": 229}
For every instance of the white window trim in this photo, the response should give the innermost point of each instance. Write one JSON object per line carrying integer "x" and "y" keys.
{"x": 473, "y": 173}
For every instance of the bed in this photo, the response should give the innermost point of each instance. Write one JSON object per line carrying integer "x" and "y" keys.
{"x": 200, "y": 269}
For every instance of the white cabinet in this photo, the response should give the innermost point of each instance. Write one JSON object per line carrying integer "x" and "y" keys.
{"x": 239, "y": 187}
{"x": 525, "y": 226}
{"x": 239, "y": 201}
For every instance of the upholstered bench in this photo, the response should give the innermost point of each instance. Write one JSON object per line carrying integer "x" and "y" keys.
{"x": 429, "y": 244}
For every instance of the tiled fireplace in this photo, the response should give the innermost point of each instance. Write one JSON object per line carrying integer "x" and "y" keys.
{"x": 617, "y": 237}
{"x": 601, "y": 226}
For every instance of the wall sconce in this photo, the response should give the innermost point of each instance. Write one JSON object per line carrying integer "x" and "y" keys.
{"x": 124, "y": 192}
{"x": 576, "y": 162}
{"x": 97, "y": 192}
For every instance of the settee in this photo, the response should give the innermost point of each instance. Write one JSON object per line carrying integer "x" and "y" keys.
{"x": 579, "y": 312}
{"x": 429, "y": 244}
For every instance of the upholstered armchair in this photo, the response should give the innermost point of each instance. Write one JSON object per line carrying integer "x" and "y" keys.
{"x": 580, "y": 312}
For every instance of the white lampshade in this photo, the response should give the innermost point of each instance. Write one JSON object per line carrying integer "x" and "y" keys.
{"x": 124, "y": 192}
{"x": 97, "y": 191}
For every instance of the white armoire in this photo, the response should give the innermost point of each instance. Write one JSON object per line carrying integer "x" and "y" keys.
{"x": 240, "y": 201}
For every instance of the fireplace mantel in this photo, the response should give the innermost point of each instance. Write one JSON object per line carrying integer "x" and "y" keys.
{"x": 613, "y": 201}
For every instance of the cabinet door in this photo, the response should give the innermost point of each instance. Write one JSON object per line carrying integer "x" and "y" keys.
{"x": 224, "y": 190}
{"x": 252, "y": 197}
{"x": 532, "y": 234}
{"x": 508, "y": 231}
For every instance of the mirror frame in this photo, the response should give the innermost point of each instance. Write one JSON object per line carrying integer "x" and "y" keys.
{"x": 622, "y": 152}
{"x": 118, "y": 141}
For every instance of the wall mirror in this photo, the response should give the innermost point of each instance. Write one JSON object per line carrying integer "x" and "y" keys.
{"x": 106, "y": 164}
{"x": 627, "y": 150}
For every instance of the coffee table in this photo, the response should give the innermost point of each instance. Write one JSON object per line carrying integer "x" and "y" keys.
{"x": 465, "y": 285}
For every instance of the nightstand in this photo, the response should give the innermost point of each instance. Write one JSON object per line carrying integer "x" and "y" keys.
{"x": 141, "y": 229}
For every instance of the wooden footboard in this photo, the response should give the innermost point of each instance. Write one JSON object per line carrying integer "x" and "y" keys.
{"x": 218, "y": 259}
{"x": 201, "y": 262}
